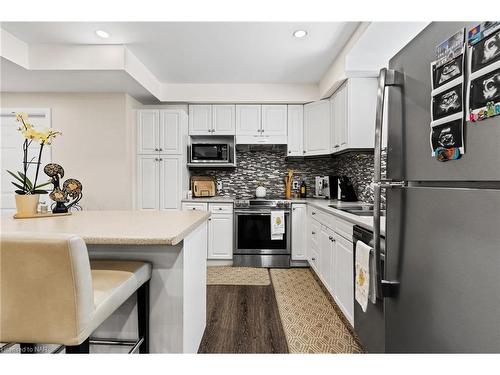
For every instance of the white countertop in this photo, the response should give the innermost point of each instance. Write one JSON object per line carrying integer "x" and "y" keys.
{"x": 217, "y": 199}
{"x": 363, "y": 221}
{"x": 115, "y": 227}
{"x": 322, "y": 204}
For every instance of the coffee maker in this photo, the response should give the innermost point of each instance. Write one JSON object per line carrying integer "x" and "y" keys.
{"x": 335, "y": 187}
{"x": 330, "y": 187}
{"x": 318, "y": 187}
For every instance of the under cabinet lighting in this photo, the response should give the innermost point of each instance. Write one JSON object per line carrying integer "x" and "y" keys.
{"x": 102, "y": 34}
{"x": 299, "y": 33}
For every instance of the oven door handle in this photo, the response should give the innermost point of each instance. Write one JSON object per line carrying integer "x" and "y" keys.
{"x": 262, "y": 213}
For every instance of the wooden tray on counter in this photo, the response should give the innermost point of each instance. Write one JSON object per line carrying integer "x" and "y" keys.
{"x": 35, "y": 216}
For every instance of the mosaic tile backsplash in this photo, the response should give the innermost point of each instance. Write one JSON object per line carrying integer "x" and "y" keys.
{"x": 269, "y": 167}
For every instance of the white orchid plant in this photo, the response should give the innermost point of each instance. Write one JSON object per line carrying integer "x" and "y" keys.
{"x": 43, "y": 137}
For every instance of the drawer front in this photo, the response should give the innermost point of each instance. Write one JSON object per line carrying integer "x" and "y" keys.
{"x": 323, "y": 218}
{"x": 344, "y": 228}
{"x": 315, "y": 232}
{"x": 189, "y": 206}
{"x": 314, "y": 261}
{"x": 226, "y": 208}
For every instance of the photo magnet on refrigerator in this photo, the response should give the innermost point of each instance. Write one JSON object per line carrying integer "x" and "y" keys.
{"x": 447, "y": 140}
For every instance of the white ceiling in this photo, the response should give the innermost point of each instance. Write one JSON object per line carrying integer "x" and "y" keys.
{"x": 18, "y": 79}
{"x": 209, "y": 52}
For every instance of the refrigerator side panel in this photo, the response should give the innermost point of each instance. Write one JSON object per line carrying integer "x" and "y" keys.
{"x": 409, "y": 118}
{"x": 443, "y": 246}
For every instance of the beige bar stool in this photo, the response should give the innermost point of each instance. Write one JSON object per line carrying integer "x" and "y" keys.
{"x": 52, "y": 294}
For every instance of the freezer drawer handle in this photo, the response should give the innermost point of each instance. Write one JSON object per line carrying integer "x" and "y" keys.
{"x": 386, "y": 78}
{"x": 390, "y": 288}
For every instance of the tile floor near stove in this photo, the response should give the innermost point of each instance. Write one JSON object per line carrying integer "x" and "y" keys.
{"x": 256, "y": 310}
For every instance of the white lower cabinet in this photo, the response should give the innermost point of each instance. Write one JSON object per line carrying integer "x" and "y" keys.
{"x": 344, "y": 276}
{"x": 220, "y": 236}
{"x": 170, "y": 175}
{"x": 331, "y": 257}
{"x": 299, "y": 234}
{"x": 158, "y": 184}
{"x": 327, "y": 255}
{"x": 148, "y": 182}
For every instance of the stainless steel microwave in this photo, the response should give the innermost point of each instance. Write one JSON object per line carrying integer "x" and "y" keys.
{"x": 210, "y": 153}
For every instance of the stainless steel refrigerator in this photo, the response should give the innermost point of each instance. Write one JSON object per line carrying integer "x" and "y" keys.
{"x": 441, "y": 284}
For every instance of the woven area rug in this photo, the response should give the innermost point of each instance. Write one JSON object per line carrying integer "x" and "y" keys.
{"x": 237, "y": 276}
{"x": 309, "y": 319}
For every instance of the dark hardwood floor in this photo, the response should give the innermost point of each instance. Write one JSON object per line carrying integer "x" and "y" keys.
{"x": 242, "y": 319}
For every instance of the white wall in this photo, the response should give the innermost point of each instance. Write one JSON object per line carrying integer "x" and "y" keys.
{"x": 378, "y": 44}
{"x": 96, "y": 146}
{"x": 336, "y": 73}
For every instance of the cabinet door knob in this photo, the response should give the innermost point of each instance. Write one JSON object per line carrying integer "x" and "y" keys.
{"x": 156, "y": 159}
{"x": 220, "y": 208}
{"x": 156, "y": 149}
{"x": 313, "y": 258}
{"x": 304, "y": 151}
{"x": 313, "y": 232}
{"x": 336, "y": 146}
{"x": 194, "y": 208}
{"x": 160, "y": 149}
{"x": 289, "y": 152}
{"x": 313, "y": 213}
{"x": 262, "y": 131}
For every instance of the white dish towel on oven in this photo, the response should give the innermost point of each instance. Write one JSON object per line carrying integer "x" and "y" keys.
{"x": 277, "y": 224}
{"x": 363, "y": 279}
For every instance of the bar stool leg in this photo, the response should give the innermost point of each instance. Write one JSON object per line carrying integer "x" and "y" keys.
{"x": 143, "y": 316}
{"x": 83, "y": 348}
{"x": 27, "y": 348}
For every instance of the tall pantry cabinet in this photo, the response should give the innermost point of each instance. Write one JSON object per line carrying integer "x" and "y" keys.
{"x": 161, "y": 172}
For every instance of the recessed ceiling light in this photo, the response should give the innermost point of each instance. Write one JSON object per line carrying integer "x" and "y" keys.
{"x": 102, "y": 33}
{"x": 299, "y": 33}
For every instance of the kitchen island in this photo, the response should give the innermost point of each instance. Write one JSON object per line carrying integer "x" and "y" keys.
{"x": 175, "y": 242}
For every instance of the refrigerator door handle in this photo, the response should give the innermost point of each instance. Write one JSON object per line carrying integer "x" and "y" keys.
{"x": 386, "y": 78}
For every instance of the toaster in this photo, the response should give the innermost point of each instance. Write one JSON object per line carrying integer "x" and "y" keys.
{"x": 203, "y": 186}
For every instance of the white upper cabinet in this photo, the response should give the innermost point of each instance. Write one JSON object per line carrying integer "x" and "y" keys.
{"x": 160, "y": 131}
{"x": 248, "y": 119}
{"x": 317, "y": 128}
{"x": 223, "y": 119}
{"x": 171, "y": 131}
{"x": 274, "y": 120}
{"x": 147, "y": 131}
{"x": 200, "y": 119}
{"x": 295, "y": 132}
{"x": 339, "y": 119}
{"x": 353, "y": 108}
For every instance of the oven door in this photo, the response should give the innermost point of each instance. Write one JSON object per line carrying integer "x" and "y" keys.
{"x": 252, "y": 233}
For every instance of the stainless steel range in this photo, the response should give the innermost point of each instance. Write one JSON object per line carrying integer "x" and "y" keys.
{"x": 253, "y": 246}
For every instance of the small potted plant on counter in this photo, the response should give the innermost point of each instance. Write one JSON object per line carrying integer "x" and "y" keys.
{"x": 28, "y": 191}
